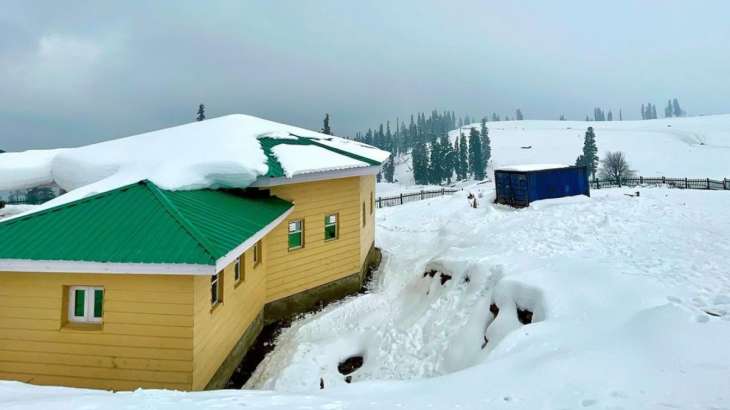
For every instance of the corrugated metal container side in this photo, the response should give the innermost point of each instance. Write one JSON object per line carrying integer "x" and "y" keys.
{"x": 519, "y": 188}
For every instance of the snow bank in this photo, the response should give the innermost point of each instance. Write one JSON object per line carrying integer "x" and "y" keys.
{"x": 605, "y": 281}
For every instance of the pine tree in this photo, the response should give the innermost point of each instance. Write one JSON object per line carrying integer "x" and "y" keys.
{"x": 449, "y": 158}
{"x": 462, "y": 161}
{"x": 435, "y": 163}
{"x": 620, "y": 115}
{"x": 587, "y": 119}
{"x": 562, "y": 117}
{"x": 609, "y": 117}
{"x": 677, "y": 109}
{"x": 668, "y": 109}
{"x": 653, "y": 112}
{"x": 476, "y": 164}
{"x": 419, "y": 158}
{"x": 389, "y": 169}
{"x": 201, "y": 113}
{"x": 518, "y": 115}
{"x": 589, "y": 158}
{"x": 326, "y": 125}
{"x": 643, "y": 112}
{"x": 485, "y": 143}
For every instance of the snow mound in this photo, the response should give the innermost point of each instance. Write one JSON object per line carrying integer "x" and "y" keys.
{"x": 530, "y": 167}
{"x": 565, "y": 305}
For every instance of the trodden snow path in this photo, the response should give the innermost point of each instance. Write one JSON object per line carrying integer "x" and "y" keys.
{"x": 619, "y": 289}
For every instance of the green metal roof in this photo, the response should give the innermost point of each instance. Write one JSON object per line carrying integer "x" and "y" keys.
{"x": 275, "y": 167}
{"x": 141, "y": 223}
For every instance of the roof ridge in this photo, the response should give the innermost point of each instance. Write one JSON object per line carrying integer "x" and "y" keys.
{"x": 68, "y": 204}
{"x": 181, "y": 220}
{"x": 314, "y": 141}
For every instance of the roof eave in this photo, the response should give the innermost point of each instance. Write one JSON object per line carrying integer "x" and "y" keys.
{"x": 231, "y": 256}
{"x": 61, "y": 266}
{"x": 264, "y": 181}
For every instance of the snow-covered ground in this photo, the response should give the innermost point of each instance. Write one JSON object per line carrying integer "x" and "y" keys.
{"x": 630, "y": 299}
{"x": 692, "y": 147}
{"x": 11, "y": 210}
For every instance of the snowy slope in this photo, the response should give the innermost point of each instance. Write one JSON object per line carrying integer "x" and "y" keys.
{"x": 630, "y": 300}
{"x": 693, "y": 147}
{"x": 678, "y": 147}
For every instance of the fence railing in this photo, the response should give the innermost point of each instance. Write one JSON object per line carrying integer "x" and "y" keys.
{"x": 387, "y": 201}
{"x": 681, "y": 183}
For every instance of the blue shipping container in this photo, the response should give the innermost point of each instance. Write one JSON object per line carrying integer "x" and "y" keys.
{"x": 520, "y": 187}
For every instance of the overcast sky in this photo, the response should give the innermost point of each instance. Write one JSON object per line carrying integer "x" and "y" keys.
{"x": 72, "y": 72}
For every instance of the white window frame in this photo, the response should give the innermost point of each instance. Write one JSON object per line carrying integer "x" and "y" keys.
{"x": 89, "y": 298}
{"x": 336, "y": 225}
{"x": 217, "y": 280}
{"x": 300, "y": 230}
{"x": 257, "y": 253}
{"x": 239, "y": 269}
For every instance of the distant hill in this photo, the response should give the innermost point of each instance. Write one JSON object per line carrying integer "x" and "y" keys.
{"x": 680, "y": 147}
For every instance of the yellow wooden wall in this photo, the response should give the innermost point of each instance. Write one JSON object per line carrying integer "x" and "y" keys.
{"x": 217, "y": 330}
{"x": 367, "y": 234}
{"x": 146, "y": 339}
{"x": 318, "y": 262}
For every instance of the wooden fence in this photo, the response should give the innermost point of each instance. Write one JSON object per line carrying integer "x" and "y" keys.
{"x": 681, "y": 183}
{"x": 386, "y": 201}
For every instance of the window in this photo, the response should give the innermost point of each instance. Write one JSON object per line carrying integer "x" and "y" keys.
{"x": 372, "y": 202}
{"x": 86, "y": 304}
{"x": 330, "y": 227}
{"x": 363, "y": 214}
{"x": 239, "y": 270}
{"x": 296, "y": 234}
{"x": 216, "y": 289}
{"x": 257, "y": 253}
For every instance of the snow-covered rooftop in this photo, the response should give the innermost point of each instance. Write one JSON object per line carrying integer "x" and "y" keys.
{"x": 531, "y": 167}
{"x": 219, "y": 152}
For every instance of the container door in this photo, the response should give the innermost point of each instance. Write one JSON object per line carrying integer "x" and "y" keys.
{"x": 518, "y": 184}
{"x": 504, "y": 192}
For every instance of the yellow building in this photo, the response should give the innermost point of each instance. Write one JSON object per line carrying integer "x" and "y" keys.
{"x": 144, "y": 287}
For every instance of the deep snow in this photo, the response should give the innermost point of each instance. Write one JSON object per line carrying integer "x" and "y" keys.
{"x": 631, "y": 303}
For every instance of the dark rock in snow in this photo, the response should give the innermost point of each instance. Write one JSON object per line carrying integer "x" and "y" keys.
{"x": 494, "y": 309}
{"x": 467, "y": 279}
{"x": 431, "y": 273}
{"x": 321, "y": 383}
{"x": 350, "y": 365}
{"x": 485, "y": 342}
{"x": 445, "y": 278}
{"x": 348, "y": 379}
{"x": 524, "y": 316}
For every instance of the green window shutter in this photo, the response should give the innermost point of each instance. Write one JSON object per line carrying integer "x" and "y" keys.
{"x": 79, "y": 302}
{"x": 98, "y": 302}
{"x": 295, "y": 240}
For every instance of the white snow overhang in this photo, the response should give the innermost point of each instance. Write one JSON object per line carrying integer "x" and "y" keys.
{"x": 264, "y": 182}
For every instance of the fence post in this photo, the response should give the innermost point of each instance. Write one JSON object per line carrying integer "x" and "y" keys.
{"x": 380, "y": 202}
{"x": 401, "y": 198}
{"x": 708, "y": 183}
{"x": 422, "y": 197}
{"x": 641, "y": 180}
{"x": 443, "y": 191}
{"x": 598, "y": 184}
{"x": 686, "y": 183}
{"x": 724, "y": 183}
{"x": 664, "y": 180}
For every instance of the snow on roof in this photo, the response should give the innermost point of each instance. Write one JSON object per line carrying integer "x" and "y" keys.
{"x": 531, "y": 167}
{"x": 215, "y": 153}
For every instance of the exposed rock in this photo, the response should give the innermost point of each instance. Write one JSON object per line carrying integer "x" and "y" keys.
{"x": 494, "y": 309}
{"x": 350, "y": 364}
{"x": 524, "y": 316}
{"x": 445, "y": 278}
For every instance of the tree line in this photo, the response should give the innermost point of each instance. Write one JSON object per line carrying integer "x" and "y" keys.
{"x": 435, "y": 157}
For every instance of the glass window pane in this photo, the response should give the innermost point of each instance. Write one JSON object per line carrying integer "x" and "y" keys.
{"x": 98, "y": 302}
{"x": 214, "y": 292}
{"x": 79, "y": 302}
{"x": 295, "y": 240}
{"x": 330, "y": 232}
